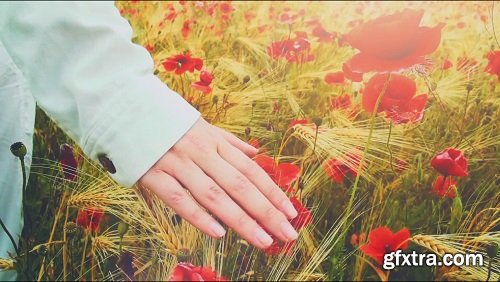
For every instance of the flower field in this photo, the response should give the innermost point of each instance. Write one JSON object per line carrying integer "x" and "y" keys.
{"x": 378, "y": 119}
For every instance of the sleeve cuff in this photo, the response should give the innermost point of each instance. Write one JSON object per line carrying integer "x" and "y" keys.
{"x": 137, "y": 128}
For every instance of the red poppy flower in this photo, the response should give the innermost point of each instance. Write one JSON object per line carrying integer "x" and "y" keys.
{"x": 278, "y": 247}
{"x": 225, "y": 7}
{"x": 302, "y": 220}
{"x": 254, "y": 142}
{"x": 89, "y": 218}
{"x": 186, "y": 28}
{"x": 304, "y": 216}
{"x": 340, "y": 102}
{"x": 450, "y": 162}
{"x": 293, "y": 50}
{"x": 493, "y": 66}
{"x": 443, "y": 188}
{"x": 182, "y": 63}
{"x": 204, "y": 84}
{"x": 323, "y": 35}
{"x": 283, "y": 174}
{"x": 352, "y": 75}
{"x": 187, "y": 272}
{"x": 392, "y": 42}
{"x": 172, "y": 14}
{"x": 398, "y": 102}
{"x": 334, "y": 77}
{"x": 382, "y": 241}
{"x": 298, "y": 121}
{"x": 339, "y": 169}
{"x": 249, "y": 16}
{"x": 68, "y": 162}
{"x": 447, "y": 64}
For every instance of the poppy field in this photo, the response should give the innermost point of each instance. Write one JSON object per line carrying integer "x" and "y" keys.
{"x": 378, "y": 119}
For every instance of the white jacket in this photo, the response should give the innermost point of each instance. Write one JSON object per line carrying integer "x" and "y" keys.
{"x": 86, "y": 74}
{"x": 77, "y": 61}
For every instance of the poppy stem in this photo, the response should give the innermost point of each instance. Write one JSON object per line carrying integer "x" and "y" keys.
{"x": 361, "y": 163}
{"x": 489, "y": 270}
{"x": 10, "y": 237}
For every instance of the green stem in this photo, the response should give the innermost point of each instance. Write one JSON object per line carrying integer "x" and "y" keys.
{"x": 489, "y": 269}
{"x": 361, "y": 162}
{"x": 10, "y": 237}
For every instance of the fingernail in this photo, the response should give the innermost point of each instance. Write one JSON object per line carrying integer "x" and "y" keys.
{"x": 217, "y": 229}
{"x": 288, "y": 231}
{"x": 288, "y": 208}
{"x": 263, "y": 237}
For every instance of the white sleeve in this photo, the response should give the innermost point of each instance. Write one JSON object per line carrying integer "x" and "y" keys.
{"x": 98, "y": 86}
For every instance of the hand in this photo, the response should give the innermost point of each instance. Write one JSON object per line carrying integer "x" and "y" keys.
{"x": 215, "y": 167}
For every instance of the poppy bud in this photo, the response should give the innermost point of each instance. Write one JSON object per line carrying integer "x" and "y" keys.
{"x": 122, "y": 228}
{"x": 183, "y": 255}
{"x": 176, "y": 219}
{"x": 469, "y": 86}
{"x": 492, "y": 249}
{"x": 317, "y": 121}
{"x": 248, "y": 130}
{"x": 18, "y": 149}
{"x": 246, "y": 79}
{"x": 301, "y": 184}
{"x": 270, "y": 126}
{"x": 215, "y": 99}
{"x": 71, "y": 228}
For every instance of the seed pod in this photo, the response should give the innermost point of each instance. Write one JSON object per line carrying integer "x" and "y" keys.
{"x": 470, "y": 86}
{"x": 246, "y": 79}
{"x": 71, "y": 228}
{"x": 183, "y": 255}
{"x": 317, "y": 121}
{"x": 492, "y": 250}
{"x": 254, "y": 103}
{"x": 18, "y": 149}
{"x": 176, "y": 219}
{"x": 215, "y": 99}
{"x": 122, "y": 228}
{"x": 248, "y": 130}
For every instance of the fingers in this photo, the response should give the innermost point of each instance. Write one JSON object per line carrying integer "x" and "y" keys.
{"x": 246, "y": 148}
{"x": 259, "y": 178}
{"x": 176, "y": 197}
{"x": 244, "y": 192}
{"x": 215, "y": 199}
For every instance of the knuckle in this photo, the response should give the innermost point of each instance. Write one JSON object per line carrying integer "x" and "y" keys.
{"x": 214, "y": 192}
{"x": 196, "y": 215}
{"x": 176, "y": 197}
{"x": 271, "y": 213}
{"x": 241, "y": 183}
{"x": 243, "y": 220}
{"x": 252, "y": 169}
{"x": 201, "y": 145}
{"x": 275, "y": 194}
